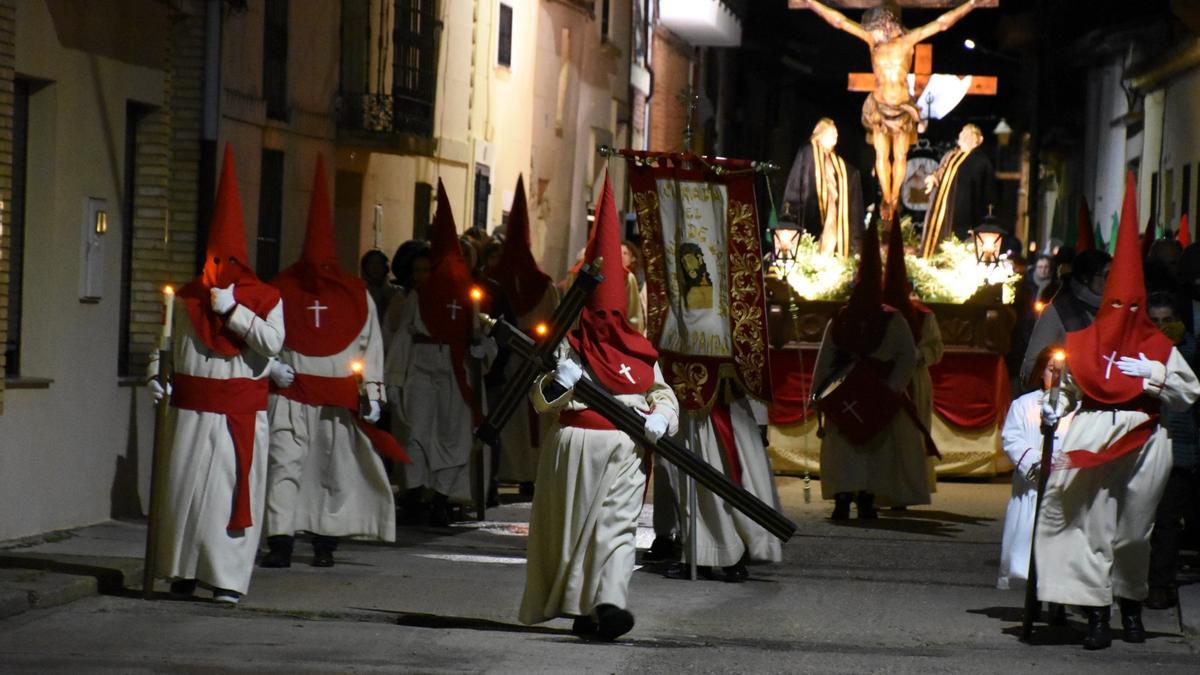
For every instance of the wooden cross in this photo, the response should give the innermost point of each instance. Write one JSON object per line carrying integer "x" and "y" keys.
{"x": 913, "y": 4}
{"x": 533, "y": 359}
{"x": 981, "y": 85}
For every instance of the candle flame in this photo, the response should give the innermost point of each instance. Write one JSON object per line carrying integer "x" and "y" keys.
{"x": 167, "y": 290}
{"x": 541, "y": 329}
{"x": 356, "y": 367}
{"x": 1060, "y": 356}
{"x": 476, "y": 293}
{"x": 1039, "y": 306}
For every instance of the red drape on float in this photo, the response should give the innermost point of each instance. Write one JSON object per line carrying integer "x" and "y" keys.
{"x": 970, "y": 390}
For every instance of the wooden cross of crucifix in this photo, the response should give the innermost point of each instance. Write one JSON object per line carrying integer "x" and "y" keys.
{"x": 981, "y": 85}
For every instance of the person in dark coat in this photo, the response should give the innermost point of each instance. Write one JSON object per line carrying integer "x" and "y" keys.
{"x": 963, "y": 187}
{"x": 824, "y": 193}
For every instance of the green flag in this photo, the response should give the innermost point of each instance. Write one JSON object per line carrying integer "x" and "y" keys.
{"x": 1112, "y": 233}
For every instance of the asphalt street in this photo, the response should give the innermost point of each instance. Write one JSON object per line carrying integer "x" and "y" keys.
{"x": 911, "y": 592}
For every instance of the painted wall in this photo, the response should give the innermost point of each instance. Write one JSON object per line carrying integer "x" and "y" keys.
{"x": 60, "y": 446}
{"x": 309, "y": 131}
{"x": 1181, "y": 145}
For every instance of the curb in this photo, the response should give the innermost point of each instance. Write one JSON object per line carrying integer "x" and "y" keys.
{"x": 37, "y": 581}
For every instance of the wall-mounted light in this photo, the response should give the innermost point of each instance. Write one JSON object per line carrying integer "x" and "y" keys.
{"x": 968, "y": 44}
{"x": 101, "y": 224}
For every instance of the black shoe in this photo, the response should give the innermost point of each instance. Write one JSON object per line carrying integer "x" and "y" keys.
{"x": 439, "y": 511}
{"x": 323, "y": 548}
{"x": 1099, "y": 635}
{"x": 584, "y": 625}
{"x": 613, "y": 622}
{"x": 1161, "y": 598}
{"x": 1132, "y": 629}
{"x": 1058, "y": 614}
{"x": 182, "y": 589}
{"x": 841, "y": 506}
{"x": 413, "y": 508}
{"x": 493, "y": 495}
{"x": 280, "y": 554}
{"x": 866, "y": 506}
{"x": 662, "y": 550}
{"x": 736, "y": 574}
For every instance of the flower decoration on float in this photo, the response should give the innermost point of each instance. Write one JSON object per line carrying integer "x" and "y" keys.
{"x": 953, "y": 275}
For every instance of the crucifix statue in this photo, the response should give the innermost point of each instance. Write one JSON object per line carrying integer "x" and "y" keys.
{"x": 890, "y": 113}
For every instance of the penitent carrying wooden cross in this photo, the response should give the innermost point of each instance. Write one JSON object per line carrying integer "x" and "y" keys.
{"x": 537, "y": 358}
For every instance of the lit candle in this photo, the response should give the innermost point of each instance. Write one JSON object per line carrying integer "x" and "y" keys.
{"x": 356, "y": 369}
{"x": 168, "y": 311}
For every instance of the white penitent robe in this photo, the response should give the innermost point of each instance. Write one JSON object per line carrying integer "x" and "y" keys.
{"x": 892, "y": 465}
{"x": 1022, "y": 439}
{"x": 929, "y": 352}
{"x": 724, "y": 534}
{"x": 518, "y": 451}
{"x": 1093, "y": 534}
{"x": 323, "y": 475}
{"x": 438, "y": 419}
{"x": 202, "y": 470}
{"x": 583, "y": 528}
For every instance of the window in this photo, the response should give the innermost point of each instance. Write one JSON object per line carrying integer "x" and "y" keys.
{"x": 16, "y": 225}
{"x": 414, "y": 76}
{"x": 134, "y": 114}
{"x": 483, "y": 190}
{"x": 270, "y": 214}
{"x": 275, "y": 48}
{"x": 422, "y": 207}
{"x": 504, "y": 51}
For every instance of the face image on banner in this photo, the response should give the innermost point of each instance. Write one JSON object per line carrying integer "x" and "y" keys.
{"x": 694, "y": 239}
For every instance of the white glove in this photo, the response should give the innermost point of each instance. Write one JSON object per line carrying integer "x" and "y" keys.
{"x": 567, "y": 373}
{"x": 372, "y": 415}
{"x": 656, "y": 426}
{"x": 1139, "y": 367}
{"x": 477, "y": 352}
{"x": 1052, "y": 414}
{"x": 156, "y": 390}
{"x": 222, "y": 299}
{"x": 282, "y": 374}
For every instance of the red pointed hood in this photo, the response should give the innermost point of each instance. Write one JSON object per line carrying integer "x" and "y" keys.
{"x": 225, "y": 264}
{"x": 858, "y": 325}
{"x": 1084, "y": 238}
{"x": 1184, "y": 235}
{"x": 324, "y": 308}
{"x": 523, "y": 282}
{"x": 897, "y": 291}
{"x": 1122, "y": 327}
{"x": 445, "y": 297}
{"x": 621, "y": 358}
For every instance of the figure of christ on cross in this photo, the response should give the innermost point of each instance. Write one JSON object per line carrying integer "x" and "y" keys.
{"x": 453, "y": 306}
{"x": 890, "y": 114}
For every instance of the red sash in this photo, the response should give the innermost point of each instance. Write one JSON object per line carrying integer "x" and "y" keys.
{"x": 342, "y": 392}
{"x": 723, "y": 425}
{"x": 585, "y": 419}
{"x": 239, "y": 399}
{"x": 1130, "y": 441}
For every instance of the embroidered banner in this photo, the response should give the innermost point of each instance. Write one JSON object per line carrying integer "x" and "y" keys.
{"x": 706, "y": 306}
